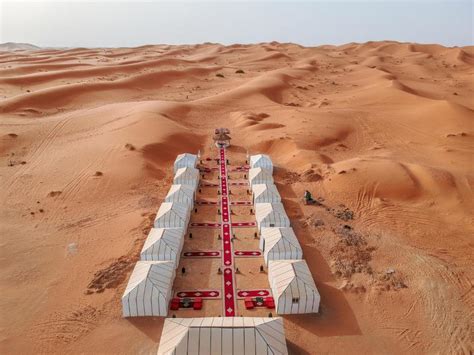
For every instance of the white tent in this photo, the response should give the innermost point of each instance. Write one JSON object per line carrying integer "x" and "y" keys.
{"x": 181, "y": 193}
{"x": 261, "y": 161}
{"x": 222, "y": 336}
{"x": 149, "y": 289}
{"x": 185, "y": 160}
{"x": 271, "y": 215}
{"x": 293, "y": 287}
{"x": 172, "y": 215}
{"x": 279, "y": 244}
{"x": 187, "y": 176}
{"x": 265, "y": 193}
{"x": 260, "y": 176}
{"x": 163, "y": 244}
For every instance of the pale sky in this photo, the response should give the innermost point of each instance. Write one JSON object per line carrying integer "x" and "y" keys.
{"x": 133, "y": 23}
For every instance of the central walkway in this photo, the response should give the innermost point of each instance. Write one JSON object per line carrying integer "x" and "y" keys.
{"x": 230, "y": 246}
{"x": 227, "y": 255}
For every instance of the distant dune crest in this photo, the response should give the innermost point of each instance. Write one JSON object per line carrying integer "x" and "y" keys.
{"x": 13, "y": 46}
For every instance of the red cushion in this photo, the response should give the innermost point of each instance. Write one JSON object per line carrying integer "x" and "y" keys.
{"x": 269, "y": 302}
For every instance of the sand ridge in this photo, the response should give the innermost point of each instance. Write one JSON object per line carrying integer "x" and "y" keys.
{"x": 380, "y": 132}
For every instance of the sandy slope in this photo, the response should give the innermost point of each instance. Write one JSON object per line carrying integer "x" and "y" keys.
{"x": 383, "y": 129}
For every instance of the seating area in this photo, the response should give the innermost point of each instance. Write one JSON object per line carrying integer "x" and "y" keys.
{"x": 194, "y": 303}
{"x": 252, "y": 302}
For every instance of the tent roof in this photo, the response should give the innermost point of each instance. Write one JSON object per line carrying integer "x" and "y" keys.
{"x": 185, "y": 160}
{"x": 178, "y": 208}
{"x": 157, "y": 274}
{"x": 270, "y": 188}
{"x": 220, "y": 335}
{"x": 186, "y": 157}
{"x": 180, "y": 188}
{"x": 264, "y": 209}
{"x": 283, "y": 238}
{"x": 253, "y": 172}
{"x": 187, "y": 171}
{"x": 255, "y": 158}
{"x": 169, "y": 239}
{"x": 263, "y": 161}
{"x": 282, "y": 273}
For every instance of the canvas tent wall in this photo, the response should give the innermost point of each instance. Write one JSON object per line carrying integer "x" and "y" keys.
{"x": 271, "y": 215}
{"x": 279, "y": 244}
{"x": 172, "y": 215}
{"x": 222, "y": 336}
{"x": 260, "y": 176}
{"x": 185, "y": 160}
{"x": 149, "y": 289}
{"x": 163, "y": 244}
{"x": 181, "y": 193}
{"x": 187, "y": 176}
{"x": 293, "y": 287}
{"x": 261, "y": 161}
{"x": 265, "y": 193}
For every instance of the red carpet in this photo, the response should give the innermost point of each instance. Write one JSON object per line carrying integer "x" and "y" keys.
{"x": 202, "y": 254}
{"x": 209, "y": 184}
{"x": 199, "y": 293}
{"x": 208, "y": 169}
{"x": 253, "y": 293}
{"x": 206, "y": 203}
{"x": 242, "y": 203}
{"x": 227, "y": 258}
{"x": 206, "y": 225}
{"x": 241, "y": 168}
{"x": 244, "y": 224}
{"x": 248, "y": 253}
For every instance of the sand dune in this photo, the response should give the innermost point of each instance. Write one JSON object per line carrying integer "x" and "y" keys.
{"x": 381, "y": 132}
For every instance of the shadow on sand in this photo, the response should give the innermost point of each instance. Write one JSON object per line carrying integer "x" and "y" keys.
{"x": 336, "y": 317}
{"x": 150, "y": 326}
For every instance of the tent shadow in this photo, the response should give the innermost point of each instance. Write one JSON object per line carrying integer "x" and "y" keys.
{"x": 336, "y": 316}
{"x": 285, "y": 190}
{"x": 294, "y": 349}
{"x": 316, "y": 262}
{"x": 150, "y": 326}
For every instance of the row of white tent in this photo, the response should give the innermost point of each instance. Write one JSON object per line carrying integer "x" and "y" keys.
{"x": 149, "y": 289}
{"x": 223, "y": 336}
{"x": 291, "y": 282}
{"x": 219, "y": 336}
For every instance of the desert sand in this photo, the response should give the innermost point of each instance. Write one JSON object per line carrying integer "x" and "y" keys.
{"x": 381, "y": 133}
